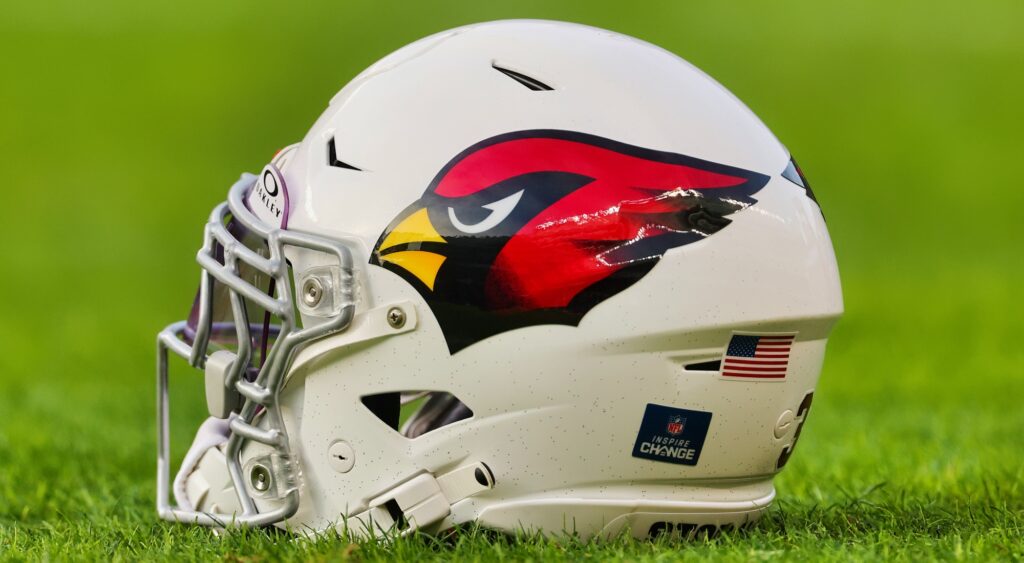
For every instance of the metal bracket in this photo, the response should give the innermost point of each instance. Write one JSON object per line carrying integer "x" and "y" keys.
{"x": 221, "y": 397}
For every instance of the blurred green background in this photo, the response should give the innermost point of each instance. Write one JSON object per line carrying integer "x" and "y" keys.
{"x": 123, "y": 123}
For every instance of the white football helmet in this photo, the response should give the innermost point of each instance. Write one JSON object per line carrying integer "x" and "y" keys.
{"x": 530, "y": 274}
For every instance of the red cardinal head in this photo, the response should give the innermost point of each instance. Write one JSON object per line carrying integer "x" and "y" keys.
{"x": 538, "y": 227}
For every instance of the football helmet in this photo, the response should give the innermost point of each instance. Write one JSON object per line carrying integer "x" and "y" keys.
{"x": 529, "y": 274}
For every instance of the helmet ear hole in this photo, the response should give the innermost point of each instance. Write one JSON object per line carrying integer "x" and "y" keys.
{"x": 385, "y": 406}
{"x": 415, "y": 413}
{"x": 440, "y": 410}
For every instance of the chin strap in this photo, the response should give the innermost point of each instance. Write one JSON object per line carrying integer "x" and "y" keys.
{"x": 212, "y": 432}
{"x": 419, "y": 502}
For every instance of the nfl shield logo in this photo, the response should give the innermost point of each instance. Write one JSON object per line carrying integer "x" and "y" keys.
{"x": 675, "y": 425}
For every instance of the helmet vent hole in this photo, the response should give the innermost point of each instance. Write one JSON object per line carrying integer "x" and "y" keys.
{"x": 387, "y": 407}
{"x": 332, "y": 158}
{"x": 529, "y": 82}
{"x": 415, "y": 413}
{"x": 713, "y": 365}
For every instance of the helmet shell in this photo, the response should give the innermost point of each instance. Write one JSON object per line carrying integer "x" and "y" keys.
{"x": 558, "y": 409}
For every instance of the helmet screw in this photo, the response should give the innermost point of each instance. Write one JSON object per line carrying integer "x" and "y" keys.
{"x": 259, "y": 478}
{"x": 396, "y": 317}
{"x": 312, "y": 291}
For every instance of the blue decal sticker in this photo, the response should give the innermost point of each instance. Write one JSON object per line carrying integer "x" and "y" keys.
{"x": 671, "y": 434}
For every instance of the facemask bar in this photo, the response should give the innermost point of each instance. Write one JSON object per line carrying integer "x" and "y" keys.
{"x": 263, "y": 392}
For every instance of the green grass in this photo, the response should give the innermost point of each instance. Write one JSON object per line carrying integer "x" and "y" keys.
{"x": 122, "y": 124}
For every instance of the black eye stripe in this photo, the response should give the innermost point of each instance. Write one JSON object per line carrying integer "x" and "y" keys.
{"x": 332, "y": 158}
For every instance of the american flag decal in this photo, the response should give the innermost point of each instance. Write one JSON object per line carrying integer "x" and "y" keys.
{"x": 757, "y": 356}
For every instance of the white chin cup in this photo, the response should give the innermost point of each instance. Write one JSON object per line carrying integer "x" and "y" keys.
{"x": 213, "y": 432}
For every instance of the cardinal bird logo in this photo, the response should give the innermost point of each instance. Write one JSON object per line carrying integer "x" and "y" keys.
{"x": 538, "y": 227}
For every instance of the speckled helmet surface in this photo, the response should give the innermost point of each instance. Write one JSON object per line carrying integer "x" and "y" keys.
{"x": 530, "y": 274}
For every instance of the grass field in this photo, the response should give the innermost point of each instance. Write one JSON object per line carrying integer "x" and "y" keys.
{"x": 122, "y": 123}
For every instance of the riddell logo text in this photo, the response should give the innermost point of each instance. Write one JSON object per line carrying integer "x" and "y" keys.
{"x": 677, "y": 452}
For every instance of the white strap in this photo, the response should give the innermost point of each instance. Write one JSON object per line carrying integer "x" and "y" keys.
{"x": 466, "y": 481}
{"x": 420, "y": 501}
{"x": 212, "y": 433}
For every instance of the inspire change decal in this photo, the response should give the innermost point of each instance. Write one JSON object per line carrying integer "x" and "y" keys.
{"x": 671, "y": 434}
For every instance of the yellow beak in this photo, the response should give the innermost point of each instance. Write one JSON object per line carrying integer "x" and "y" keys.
{"x": 414, "y": 229}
